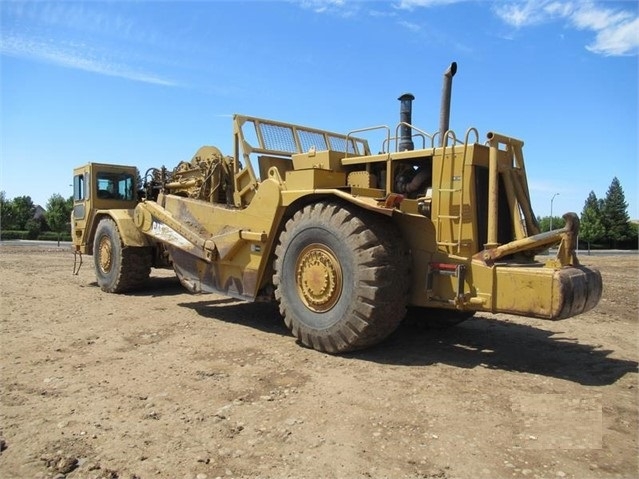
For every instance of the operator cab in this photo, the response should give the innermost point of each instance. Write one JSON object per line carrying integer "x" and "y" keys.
{"x": 98, "y": 186}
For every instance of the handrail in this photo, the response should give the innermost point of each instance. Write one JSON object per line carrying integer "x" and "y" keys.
{"x": 461, "y": 196}
{"x": 395, "y": 138}
{"x": 368, "y": 128}
{"x": 422, "y": 132}
{"x": 450, "y": 134}
{"x": 290, "y": 138}
{"x": 468, "y": 132}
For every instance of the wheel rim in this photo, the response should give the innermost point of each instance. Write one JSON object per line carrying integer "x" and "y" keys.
{"x": 105, "y": 254}
{"x": 318, "y": 277}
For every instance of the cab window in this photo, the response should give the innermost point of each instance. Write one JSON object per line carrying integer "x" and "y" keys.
{"x": 117, "y": 186}
{"x": 80, "y": 192}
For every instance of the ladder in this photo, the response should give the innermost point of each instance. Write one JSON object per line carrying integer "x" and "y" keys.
{"x": 453, "y": 196}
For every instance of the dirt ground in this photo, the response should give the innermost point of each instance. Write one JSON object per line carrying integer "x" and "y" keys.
{"x": 164, "y": 384}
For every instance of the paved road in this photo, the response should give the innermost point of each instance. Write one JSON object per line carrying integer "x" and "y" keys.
{"x": 603, "y": 252}
{"x": 63, "y": 244}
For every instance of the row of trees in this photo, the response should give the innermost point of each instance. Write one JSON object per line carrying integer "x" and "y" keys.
{"x": 20, "y": 214}
{"x": 604, "y": 222}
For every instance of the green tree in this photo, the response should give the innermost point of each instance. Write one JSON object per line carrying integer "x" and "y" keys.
{"x": 33, "y": 227}
{"x": 58, "y": 214}
{"x": 634, "y": 235}
{"x": 6, "y": 212}
{"x": 23, "y": 211}
{"x": 544, "y": 223}
{"x": 615, "y": 215}
{"x": 591, "y": 228}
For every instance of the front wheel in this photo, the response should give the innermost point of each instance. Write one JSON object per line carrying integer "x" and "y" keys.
{"x": 118, "y": 268}
{"x": 341, "y": 277}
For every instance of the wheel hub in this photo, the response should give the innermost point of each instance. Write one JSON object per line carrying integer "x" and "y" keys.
{"x": 105, "y": 254}
{"x": 319, "y": 277}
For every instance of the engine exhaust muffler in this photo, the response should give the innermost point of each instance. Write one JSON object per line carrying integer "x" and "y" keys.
{"x": 406, "y": 119}
{"x": 444, "y": 111}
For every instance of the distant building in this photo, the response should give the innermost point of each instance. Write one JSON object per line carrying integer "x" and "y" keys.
{"x": 39, "y": 213}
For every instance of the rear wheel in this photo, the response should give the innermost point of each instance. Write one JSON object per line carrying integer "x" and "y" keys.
{"x": 118, "y": 268}
{"x": 341, "y": 277}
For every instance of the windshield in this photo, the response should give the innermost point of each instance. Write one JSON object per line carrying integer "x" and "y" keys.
{"x": 118, "y": 186}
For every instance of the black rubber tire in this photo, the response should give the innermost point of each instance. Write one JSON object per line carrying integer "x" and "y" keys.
{"x": 436, "y": 318}
{"x": 118, "y": 268}
{"x": 363, "y": 249}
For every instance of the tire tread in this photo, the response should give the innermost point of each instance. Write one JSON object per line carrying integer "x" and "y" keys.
{"x": 381, "y": 289}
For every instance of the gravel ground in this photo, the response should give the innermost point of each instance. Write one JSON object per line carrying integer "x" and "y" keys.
{"x": 163, "y": 384}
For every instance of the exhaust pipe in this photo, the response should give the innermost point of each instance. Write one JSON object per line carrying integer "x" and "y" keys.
{"x": 406, "y": 119}
{"x": 444, "y": 112}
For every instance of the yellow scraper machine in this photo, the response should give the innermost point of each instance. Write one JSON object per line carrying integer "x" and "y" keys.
{"x": 343, "y": 239}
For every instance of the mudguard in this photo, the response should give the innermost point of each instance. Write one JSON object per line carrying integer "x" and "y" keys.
{"x": 129, "y": 232}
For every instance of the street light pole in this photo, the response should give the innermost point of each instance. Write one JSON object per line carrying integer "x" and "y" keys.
{"x": 551, "y": 200}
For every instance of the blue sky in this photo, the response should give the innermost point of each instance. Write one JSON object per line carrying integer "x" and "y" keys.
{"x": 147, "y": 83}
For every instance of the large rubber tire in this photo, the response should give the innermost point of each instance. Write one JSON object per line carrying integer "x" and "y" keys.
{"x": 118, "y": 268}
{"x": 341, "y": 277}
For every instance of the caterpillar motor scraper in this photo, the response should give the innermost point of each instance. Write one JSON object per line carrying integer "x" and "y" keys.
{"x": 346, "y": 240}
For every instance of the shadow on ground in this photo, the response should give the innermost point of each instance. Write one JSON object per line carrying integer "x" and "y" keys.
{"x": 155, "y": 287}
{"x": 261, "y": 316}
{"x": 478, "y": 342}
{"x": 494, "y": 344}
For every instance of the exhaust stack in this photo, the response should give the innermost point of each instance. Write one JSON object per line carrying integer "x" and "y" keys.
{"x": 406, "y": 118}
{"x": 444, "y": 112}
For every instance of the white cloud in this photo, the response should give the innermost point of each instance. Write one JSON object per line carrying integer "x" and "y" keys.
{"x": 411, "y": 4}
{"x": 589, "y": 16}
{"x": 413, "y": 27}
{"x": 339, "y": 7}
{"x": 76, "y": 16}
{"x": 321, "y": 6}
{"x": 622, "y": 39}
{"x": 520, "y": 14}
{"x": 616, "y": 30}
{"x": 558, "y": 9}
{"x": 73, "y": 55}
{"x": 78, "y": 35}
